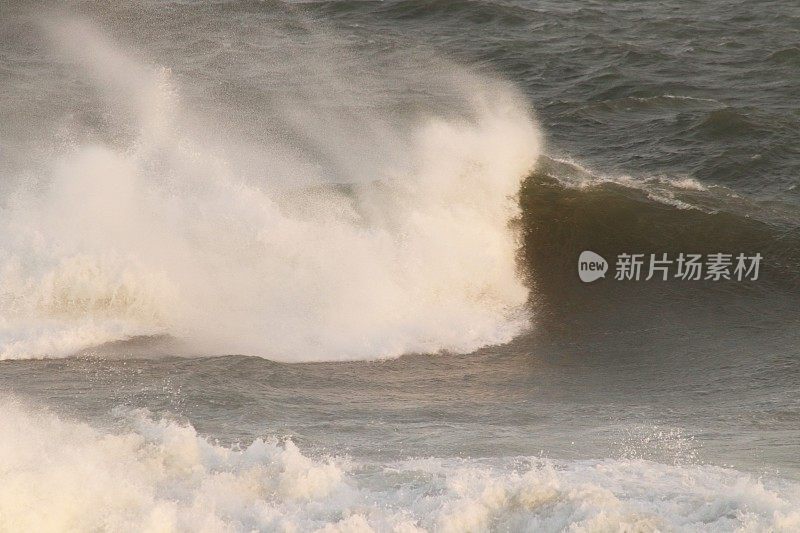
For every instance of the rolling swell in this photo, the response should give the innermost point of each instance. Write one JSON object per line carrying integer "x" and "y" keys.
{"x": 470, "y": 11}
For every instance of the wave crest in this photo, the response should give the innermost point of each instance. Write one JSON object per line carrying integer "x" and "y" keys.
{"x": 170, "y": 233}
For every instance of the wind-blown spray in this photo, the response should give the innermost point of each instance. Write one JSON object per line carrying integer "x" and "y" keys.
{"x": 263, "y": 250}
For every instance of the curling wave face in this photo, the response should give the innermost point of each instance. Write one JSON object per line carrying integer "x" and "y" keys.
{"x": 167, "y": 232}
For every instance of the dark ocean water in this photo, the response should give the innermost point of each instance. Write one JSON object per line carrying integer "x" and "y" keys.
{"x": 293, "y": 266}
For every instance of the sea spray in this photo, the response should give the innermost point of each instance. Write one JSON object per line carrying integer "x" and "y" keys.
{"x": 161, "y": 475}
{"x": 164, "y": 232}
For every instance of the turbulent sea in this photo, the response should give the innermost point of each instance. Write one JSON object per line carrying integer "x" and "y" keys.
{"x": 312, "y": 266}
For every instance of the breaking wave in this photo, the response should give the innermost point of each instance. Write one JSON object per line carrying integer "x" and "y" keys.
{"x": 359, "y": 222}
{"x": 229, "y": 248}
{"x": 159, "y": 475}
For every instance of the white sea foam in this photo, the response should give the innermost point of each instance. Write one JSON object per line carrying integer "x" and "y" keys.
{"x": 583, "y": 177}
{"x": 660, "y": 189}
{"x": 167, "y": 233}
{"x": 157, "y": 475}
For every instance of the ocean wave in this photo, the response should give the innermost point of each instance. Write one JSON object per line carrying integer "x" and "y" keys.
{"x": 663, "y": 189}
{"x": 478, "y": 12}
{"x": 649, "y": 103}
{"x": 567, "y": 209}
{"x": 787, "y": 56}
{"x": 680, "y": 191}
{"x": 163, "y": 232}
{"x": 153, "y": 474}
{"x": 725, "y": 122}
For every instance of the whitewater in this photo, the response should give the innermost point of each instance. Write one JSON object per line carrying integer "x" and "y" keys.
{"x": 166, "y": 234}
{"x": 311, "y": 266}
{"x": 160, "y": 475}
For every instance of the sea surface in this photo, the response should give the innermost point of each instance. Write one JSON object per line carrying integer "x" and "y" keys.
{"x": 312, "y": 266}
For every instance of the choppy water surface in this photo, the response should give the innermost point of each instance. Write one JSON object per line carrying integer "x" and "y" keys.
{"x": 294, "y": 266}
